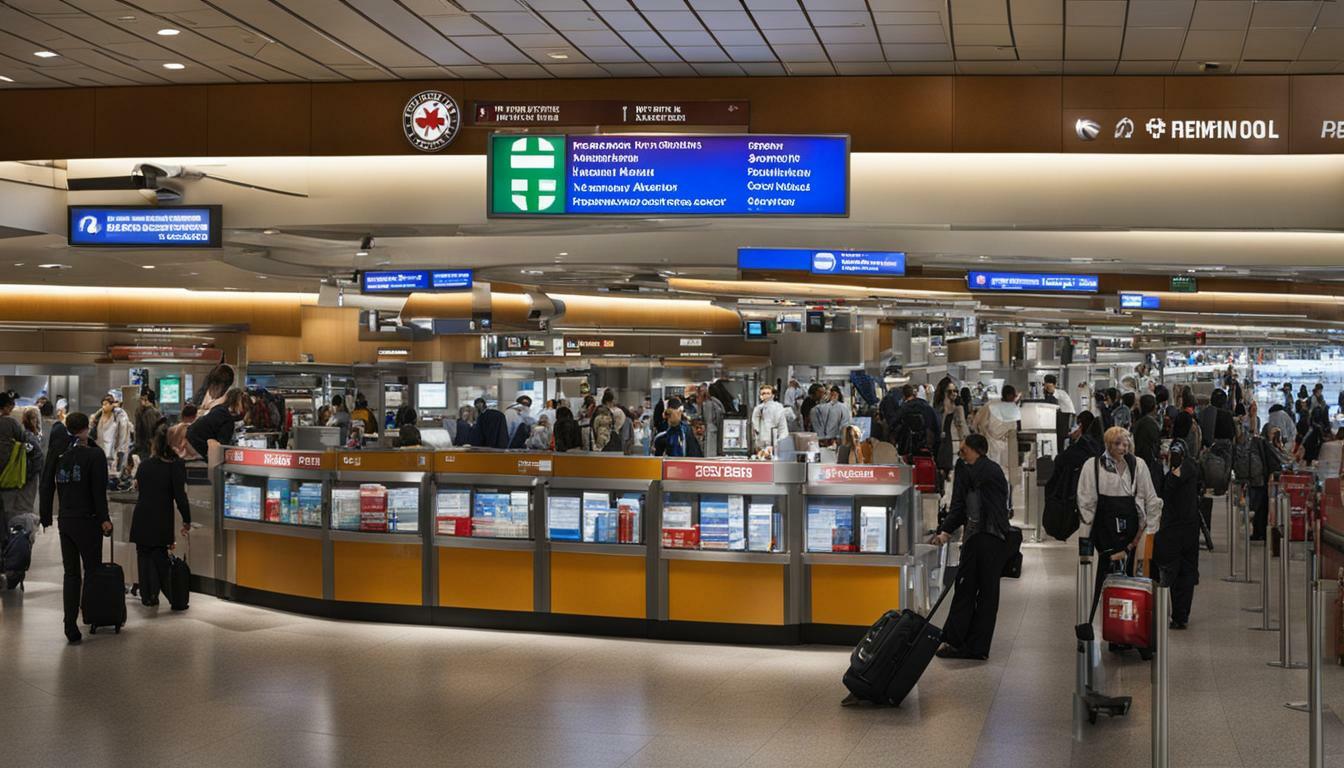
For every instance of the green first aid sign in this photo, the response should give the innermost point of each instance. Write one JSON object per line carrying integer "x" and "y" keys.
{"x": 527, "y": 174}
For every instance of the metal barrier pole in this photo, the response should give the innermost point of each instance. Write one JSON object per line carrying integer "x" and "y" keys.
{"x": 1245, "y": 497}
{"x": 1276, "y": 500}
{"x": 1285, "y": 625}
{"x": 1316, "y": 622}
{"x": 1161, "y": 612}
{"x": 1084, "y": 666}
{"x": 1231, "y": 540}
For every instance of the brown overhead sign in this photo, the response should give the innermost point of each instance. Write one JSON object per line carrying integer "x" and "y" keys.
{"x": 532, "y": 114}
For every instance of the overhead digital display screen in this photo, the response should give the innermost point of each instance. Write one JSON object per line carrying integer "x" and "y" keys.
{"x": 405, "y": 281}
{"x": 823, "y": 262}
{"x": 668, "y": 175}
{"x": 1028, "y": 282}
{"x": 134, "y": 226}
{"x": 1139, "y": 301}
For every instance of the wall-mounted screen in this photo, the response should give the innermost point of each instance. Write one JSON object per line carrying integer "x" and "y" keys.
{"x": 138, "y": 226}
{"x": 431, "y": 395}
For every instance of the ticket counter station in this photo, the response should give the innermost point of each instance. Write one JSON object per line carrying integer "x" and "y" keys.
{"x": 729, "y": 538}
{"x": 486, "y": 532}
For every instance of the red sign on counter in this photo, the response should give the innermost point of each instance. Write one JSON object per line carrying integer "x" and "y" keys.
{"x": 871, "y": 474}
{"x": 253, "y": 457}
{"x": 720, "y": 471}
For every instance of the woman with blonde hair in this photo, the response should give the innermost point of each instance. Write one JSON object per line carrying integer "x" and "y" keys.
{"x": 853, "y": 449}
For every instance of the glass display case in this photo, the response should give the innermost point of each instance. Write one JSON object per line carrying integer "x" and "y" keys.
{"x": 272, "y": 489}
{"x": 731, "y": 522}
{"x": 380, "y": 492}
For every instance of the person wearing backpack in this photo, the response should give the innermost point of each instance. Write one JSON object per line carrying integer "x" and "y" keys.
{"x": 80, "y": 479}
{"x": 146, "y": 421}
{"x": 1148, "y": 437}
{"x": 162, "y": 482}
{"x": 1116, "y": 504}
{"x": 917, "y": 425}
{"x": 19, "y": 481}
{"x": 1060, "y": 517}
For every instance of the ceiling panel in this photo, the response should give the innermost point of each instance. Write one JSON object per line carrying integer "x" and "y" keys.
{"x": 567, "y": 21}
{"x": 979, "y": 11}
{"x": 862, "y": 68}
{"x": 458, "y": 25}
{"x": 704, "y": 6}
{"x": 922, "y": 67}
{"x": 341, "y": 22}
{"x": 674, "y": 21}
{"x": 491, "y": 49}
{"x": 809, "y": 68}
{"x": 740, "y": 38}
{"x": 625, "y": 21}
{"x": 1144, "y": 67}
{"x": 1160, "y": 13}
{"x": 615, "y": 54}
{"x": 660, "y": 5}
{"x": 918, "y": 52}
{"x": 847, "y": 35}
{"x": 1285, "y": 13}
{"x": 982, "y": 34}
{"x": 1221, "y": 14}
{"x": 1325, "y": 44}
{"x": 521, "y": 70}
{"x": 918, "y": 33}
{"x": 750, "y": 52}
{"x": 1210, "y": 45}
{"x": 901, "y": 17}
{"x": 603, "y": 38}
{"x": 790, "y": 36}
{"x": 729, "y": 20}
{"x": 519, "y": 23}
{"x": 985, "y": 53}
{"x": 839, "y": 18}
{"x": 762, "y": 69}
{"x": 1274, "y": 43}
{"x": 909, "y": 6}
{"x": 1037, "y": 11}
{"x": 835, "y": 5}
{"x": 1047, "y": 36}
{"x": 855, "y": 52}
{"x": 1083, "y": 67}
{"x": 800, "y": 52}
{"x": 781, "y": 20}
{"x": 658, "y": 53}
{"x": 675, "y": 69}
{"x": 412, "y": 31}
{"x": 1157, "y": 43}
{"x": 1095, "y": 13}
{"x": 687, "y": 37}
{"x": 701, "y": 53}
{"x": 647, "y": 37}
{"x": 576, "y": 70}
{"x": 629, "y": 70}
{"x": 726, "y": 69}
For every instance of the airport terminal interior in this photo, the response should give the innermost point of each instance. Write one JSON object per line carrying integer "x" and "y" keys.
{"x": 672, "y": 383}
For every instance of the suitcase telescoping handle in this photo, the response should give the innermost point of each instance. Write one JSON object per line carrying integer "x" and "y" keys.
{"x": 111, "y": 547}
{"x": 942, "y": 558}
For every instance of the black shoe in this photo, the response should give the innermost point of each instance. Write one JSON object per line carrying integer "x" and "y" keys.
{"x": 1177, "y": 625}
{"x": 1118, "y": 647}
{"x": 948, "y": 652}
{"x": 73, "y": 635}
{"x": 1260, "y": 537}
{"x": 150, "y": 603}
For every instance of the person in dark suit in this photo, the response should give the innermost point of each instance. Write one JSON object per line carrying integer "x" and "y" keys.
{"x": 678, "y": 439}
{"x": 162, "y": 482}
{"x": 80, "y": 479}
{"x": 492, "y": 427}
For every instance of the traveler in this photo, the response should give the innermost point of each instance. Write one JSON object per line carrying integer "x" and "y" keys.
{"x": 362, "y": 415}
{"x": 714, "y": 412}
{"x": 1318, "y": 398}
{"x": 1176, "y": 545}
{"x": 815, "y": 393}
{"x": 604, "y": 434}
{"x": 492, "y": 429}
{"x": 162, "y": 482}
{"x": 1052, "y": 394}
{"x": 887, "y": 413}
{"x": 1148, "y": 436}
{"x": 1131, "y": 404}
{"x": 47, "y": 411}
{"x": 1278, "y": 447}
{"x": 548, "y": 412}
{"x": 1287, "y": 390}
{"x": 111, "y": 430}
{"x": 1282, "y": 419}
{"x": 539, "y": 437}
{"x": 218, "y": 425}
{"x": 720, "y": 391}
{"x": 829, "y": 418}
{"x": 464, "y": 431}
{"x": 80, "y": 479}
{"x": 769, "y": 425}
{"x": 340, "y": 419}
{"x": 980, "y": 505}
{"x": 678, "y": 439}
{"x": 1061, "y": 491}
{"x": 1166, "y": 412}
{"x": 408, "y": 436}
{"x": 1260, "y": 464}
{"x": 794, "y": 393}
{"x": 1116, "y": 503}
{"x": 146, "y": 421}
{"x": 853, "y": 449}
{"x": 323, "y": 416}
{"x": 23, "y": 500}
{"x": 917, "y": 425}
{"x": 1216, "y": 422}
{"x": 519, "y": 414}
{"x": 1308, "y": 447}
{"x": 177, "y": 434}
{"x": 1120, "y": 414}
{"x": 217, "y": 384}
{"x": 997, "y": 421}
{"x": 947, "y": 405}
{"x": 568, "y": 434}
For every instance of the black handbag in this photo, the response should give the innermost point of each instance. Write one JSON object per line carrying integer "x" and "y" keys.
{"x": 1012, "y": 568}
{"x": 946, "y": 456}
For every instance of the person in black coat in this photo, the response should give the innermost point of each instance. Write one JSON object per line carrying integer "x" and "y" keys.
{"x": 568, "y": 434}
{"x": 80, "y": 479}
{"x": 1176, "y": 546}
{"x": 162, "y": 482}
{"x": 492, "y": 427}
{"x": 678, "y": 439}
{"x": 218, "y": 424}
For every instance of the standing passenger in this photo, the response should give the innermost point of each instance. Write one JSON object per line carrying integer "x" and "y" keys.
{"x": 161, "y": 481}
{"x": 80, "y": 478}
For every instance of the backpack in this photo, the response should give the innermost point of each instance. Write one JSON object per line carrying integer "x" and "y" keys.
{"x": 1216, "y": 467}
{"x": 917, "y": 437}
{"x": 1248, "y": 462}
{"x": 15, "y": 473}
{"x": 18, "y": 554}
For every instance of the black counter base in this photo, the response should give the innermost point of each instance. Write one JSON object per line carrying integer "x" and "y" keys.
{"x": 526, "y": 621}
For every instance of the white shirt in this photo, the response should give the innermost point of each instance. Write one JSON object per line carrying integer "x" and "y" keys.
{"x": 1064, "y": 401}
{"x": 1116, "y": 481}
{"x": 768, "y": 424}
{"x": 829, "y": 419}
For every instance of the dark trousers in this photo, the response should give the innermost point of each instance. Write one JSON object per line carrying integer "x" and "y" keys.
{"x": 1258, "y": 498}
{"x": 975, "y": 604}
{"x": 81, "y": 546}
{"x": 153, "y": 566}
{"x": 1177, "y": 554}
{"x": 1206, "y": 511}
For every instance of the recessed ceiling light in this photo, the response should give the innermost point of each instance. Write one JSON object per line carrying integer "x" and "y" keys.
{"x": 270, "y": 231}
{"x": 229, "y": 288}
{"x": 534, "y": 271}
{"x": 6, "y": 79}
{"x": 563, "y": 253}
{"x": 361, "y": 253}
{"x": 53, "y": 266}
{"x": 18, "y": 264}
{"x": 174, "y": 65}
{"x": 261, "y": 277}
{"x": 558, "y": 55}
{"x": 168, "y": 32}
{"x": 127, "y": 17}
{"x": 45, "y": 54}
{"x": 193, "y": 274}
{"x": 146, "y": 266}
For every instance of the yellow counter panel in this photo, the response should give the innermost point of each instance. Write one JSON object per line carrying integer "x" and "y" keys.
{"x": 283, "y": 564}
{"x": 492, "y": 579}
{"x": 735, "y": 593}
{"x": 853, "y": 594}
{"x": 378, "y": 572}
{"x": 598, "y": 585}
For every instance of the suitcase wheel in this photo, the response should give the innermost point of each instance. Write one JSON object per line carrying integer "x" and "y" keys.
{"x": 116, "y": 630}
{"x": 1092, "y": 716}
{"x": 1146, "y": 654}
{"x": 93, "y": 630}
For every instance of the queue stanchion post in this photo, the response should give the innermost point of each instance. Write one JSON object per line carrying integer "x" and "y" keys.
{"x": 1285, "y": 660}
{"x": 1276, "y": 499}
{"x": 1315, "y": 703}
{"x": 1161, "y": 610}
{"x": 1244, "y": 500}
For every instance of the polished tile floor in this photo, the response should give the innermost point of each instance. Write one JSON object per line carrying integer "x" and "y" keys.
{"x": 231, "y": 685}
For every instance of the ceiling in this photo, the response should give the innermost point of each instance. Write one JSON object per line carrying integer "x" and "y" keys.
{"x": 106, "y": 42}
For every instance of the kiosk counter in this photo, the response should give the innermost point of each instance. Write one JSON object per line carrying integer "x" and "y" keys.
{"x": 727, "y": 550}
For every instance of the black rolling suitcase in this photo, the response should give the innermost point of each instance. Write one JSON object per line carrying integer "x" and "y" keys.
{"x": 179, "y": 583}
{"x": 104, "y": 599}
{"x": 893, "y": 654}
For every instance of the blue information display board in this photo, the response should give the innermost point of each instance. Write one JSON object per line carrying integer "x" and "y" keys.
{"x": 1139, "y": 301}
{"x": 819, "y": 262}
{"x": 126, "y": 226}
{"x": 670, "y": 175}
{"x": 405, "y": 281}
{"x": 1027, "y": 282}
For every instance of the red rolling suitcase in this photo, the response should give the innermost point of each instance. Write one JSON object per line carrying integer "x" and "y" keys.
{"x": 924, "y": 473}
{"x": 1127, "y": 616}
